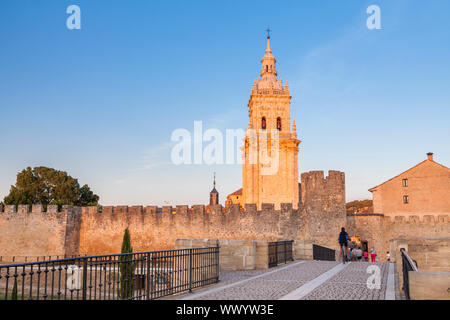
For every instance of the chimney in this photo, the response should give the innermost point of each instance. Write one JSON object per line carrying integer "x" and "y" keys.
{"x": 430, "y": 156}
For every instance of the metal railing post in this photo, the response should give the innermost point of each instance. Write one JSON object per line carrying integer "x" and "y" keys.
{"x": 190, "y": 270}
{"x": 147, "y": 285}
{"x": 276, "y": 253}
{"x": 217, "y": 251}
{"x": 84, "y": 278}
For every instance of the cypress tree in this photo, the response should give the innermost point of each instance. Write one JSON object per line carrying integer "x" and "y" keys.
{"x": 126, "y": 268}
{"x": 14, "y": 290}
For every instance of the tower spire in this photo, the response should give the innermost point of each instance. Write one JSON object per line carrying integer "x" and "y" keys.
{"x": 268, "y": 50}
{"x": 268, "y": 72}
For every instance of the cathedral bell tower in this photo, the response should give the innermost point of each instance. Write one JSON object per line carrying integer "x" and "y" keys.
{"x": 269, "y": 112}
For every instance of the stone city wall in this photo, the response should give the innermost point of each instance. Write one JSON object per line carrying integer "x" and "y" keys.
{"x": 25, "y": 232}
{"x": 378, "y": 229}
{"x": 94, "y": 231}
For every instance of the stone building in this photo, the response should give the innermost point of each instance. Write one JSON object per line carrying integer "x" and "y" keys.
{"x": 421, "y": 190}
{"x": 270, "y": 166}
{"x": 412, "y": 207}
{"x": 235, "y": 198}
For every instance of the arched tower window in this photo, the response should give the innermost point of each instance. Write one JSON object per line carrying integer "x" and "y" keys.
{"x": 279, "y": 123}
{"x": 263, "y": 123}
{"x": 267, "y": 68}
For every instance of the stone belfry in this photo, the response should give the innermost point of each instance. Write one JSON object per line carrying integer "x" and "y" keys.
{"x": 214, "y": 195}
{"x": 269, "y": 112}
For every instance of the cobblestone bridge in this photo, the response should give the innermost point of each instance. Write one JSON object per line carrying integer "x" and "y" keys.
{"x": 303, "y": 280}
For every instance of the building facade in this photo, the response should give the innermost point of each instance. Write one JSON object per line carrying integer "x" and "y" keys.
{"x": 421, "y": 190}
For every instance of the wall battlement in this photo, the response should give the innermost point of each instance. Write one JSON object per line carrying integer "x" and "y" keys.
{"x": 378, "y": 229}
{"x": 422, "y": 219}
{"x": 176, "y": 210}
{"x": 408, "y": 218}
{"x": 99, "y": 230}
{"x": 94, "y": 230}
{"x": 36, "y": 208}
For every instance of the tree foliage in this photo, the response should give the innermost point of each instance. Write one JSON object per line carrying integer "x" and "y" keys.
{"x": 127, "y": 267}
{"x": 358, "y": 205}
{"x": 42, "y": 185}
{"x": 14, "y": 290}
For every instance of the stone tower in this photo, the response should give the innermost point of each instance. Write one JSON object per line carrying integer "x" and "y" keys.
{"x": 270, "y": 116}
{"x": 214, "y": 195}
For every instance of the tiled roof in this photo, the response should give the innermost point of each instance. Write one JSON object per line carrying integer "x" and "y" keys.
{"x": 237, "y": 193}
{"x": 425, "y": 161}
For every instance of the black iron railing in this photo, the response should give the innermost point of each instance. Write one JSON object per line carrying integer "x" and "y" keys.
{"x": 407, "y": 265}
{"x": 280, "y": 252}
{"x": 25, "y": 259}
{"x": 323, "y": 253}
{"x": 136, "y": 276}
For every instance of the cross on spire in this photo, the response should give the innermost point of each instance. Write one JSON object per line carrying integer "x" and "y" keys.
{"x": 268, "y": 32}
{"x": 214, "y": 179}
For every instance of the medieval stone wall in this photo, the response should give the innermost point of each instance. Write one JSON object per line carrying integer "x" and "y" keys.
{"x": 323, "y": 207}
{"x": 378, "y": 229}
{"x": 26, "y": 232}
{"x": 322, "y": 213}
{"x": 90, "y": 231}
{"x": 154, "y": 228}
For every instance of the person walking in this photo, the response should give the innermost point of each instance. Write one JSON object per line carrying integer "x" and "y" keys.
{"x": 373, "y": 254}
{"x": 343, "y": 242}
{"x": 366, "y": 256}
{"x": 388, "y": 256}
{"x": 355, "y": 254}
{"x": 359, "y": 254}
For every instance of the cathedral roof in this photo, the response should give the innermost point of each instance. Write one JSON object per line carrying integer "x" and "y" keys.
{"x": 236, "y": 193}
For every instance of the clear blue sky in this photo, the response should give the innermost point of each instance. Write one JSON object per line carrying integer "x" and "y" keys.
{"x": 102, "y": 102}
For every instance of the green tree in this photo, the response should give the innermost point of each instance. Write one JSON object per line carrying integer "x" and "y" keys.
{"x": 127, "y": 267}
{"x": 356, "y": 205}
{"x": 14, "y": 290}
{"x": 42, "y": 185}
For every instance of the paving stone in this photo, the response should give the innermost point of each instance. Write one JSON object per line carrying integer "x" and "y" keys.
{"x": 351, "y": 284}
{"x": 348, "y": 284}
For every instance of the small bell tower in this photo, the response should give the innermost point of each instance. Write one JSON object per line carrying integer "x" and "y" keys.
{"x": 214, "y": 195}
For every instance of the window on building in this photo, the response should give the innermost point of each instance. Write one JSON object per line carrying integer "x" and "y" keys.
{"x": 405, "y": 182}
{"x": 263, "y": 123}
{"x": 279, "y": 123}
{"x": 406, "y": 199}
{"x": 267, "y": 68}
